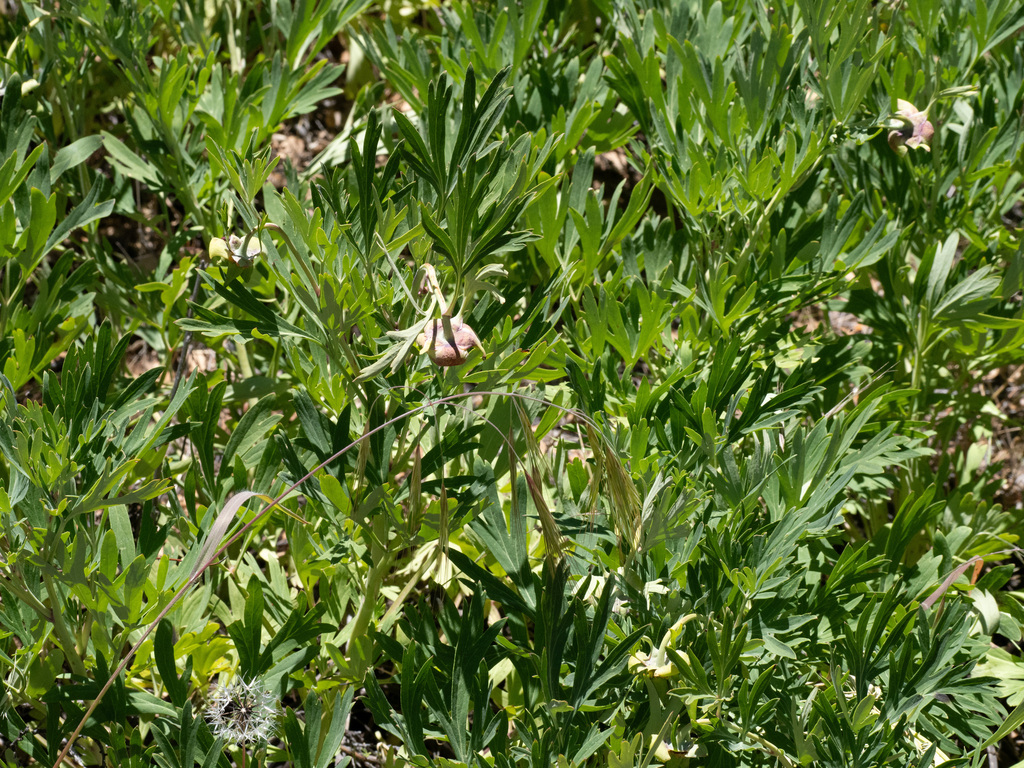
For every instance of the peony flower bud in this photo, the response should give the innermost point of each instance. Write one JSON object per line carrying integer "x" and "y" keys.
{"x": 440, "y": 350}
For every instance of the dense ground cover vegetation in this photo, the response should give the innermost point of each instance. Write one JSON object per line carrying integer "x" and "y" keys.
{"x": 514, "y": 384}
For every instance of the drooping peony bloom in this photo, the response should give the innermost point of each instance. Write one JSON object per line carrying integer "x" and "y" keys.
{"x": 914, "y": 132}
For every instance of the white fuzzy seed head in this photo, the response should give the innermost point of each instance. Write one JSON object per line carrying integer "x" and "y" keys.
{"x": 242, "y": 712}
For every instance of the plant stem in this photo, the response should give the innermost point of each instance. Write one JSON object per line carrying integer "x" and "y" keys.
{"x": 245, "y": 366}
{"x": 61, "y": 628}
{"x": 288, "y": 241}
{"x": 349, "y": 355}
{"x": 186, "y": 340}
{"x": 382, "y": 560}
{"x": 761, "y": 742}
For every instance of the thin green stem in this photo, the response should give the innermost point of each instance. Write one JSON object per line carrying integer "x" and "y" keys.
{"x": 67, "y": 642}
{"x": 917, "y": 364}
{"x": 288, "y": 241}
{"x": 349, "y": 355}
{"x": 762, "y": 743}
{"x": 382, "y": 561}
{"x": 275, "y": 360}
{"x": 243, "y": 362}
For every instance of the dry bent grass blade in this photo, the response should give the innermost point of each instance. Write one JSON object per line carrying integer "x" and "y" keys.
{"x": 221, "y": 526}
{"x": 976, "y": 561}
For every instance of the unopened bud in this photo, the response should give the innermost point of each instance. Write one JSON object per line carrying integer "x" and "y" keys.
{"x": 452, "y": 351}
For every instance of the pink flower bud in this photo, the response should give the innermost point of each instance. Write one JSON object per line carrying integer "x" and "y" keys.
{"x": 442, "y": 351}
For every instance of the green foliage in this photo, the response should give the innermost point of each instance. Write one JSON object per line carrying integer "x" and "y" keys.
{"x": 537, "y": 371}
